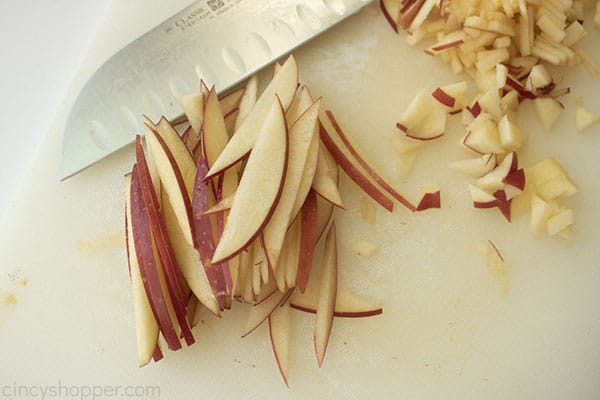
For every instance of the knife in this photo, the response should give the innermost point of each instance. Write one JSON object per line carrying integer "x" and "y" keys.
{"x": 220, "y": 41}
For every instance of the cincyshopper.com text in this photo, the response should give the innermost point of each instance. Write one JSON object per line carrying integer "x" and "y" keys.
{"x": 61, "y": 390}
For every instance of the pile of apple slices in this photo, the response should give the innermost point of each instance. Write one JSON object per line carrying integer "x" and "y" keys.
{"x": 236, "y": 204}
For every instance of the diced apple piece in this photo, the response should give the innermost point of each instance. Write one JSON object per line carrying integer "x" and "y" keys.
{"x": 245, "y": 137}
{"x": 583, "y": 117}
{"x": 548, "y": 110}
{"x": 494, "y": 180}
{"x": 482, "y": 136}
{"x": 430, "y": 199}
{"x": 258, "y": 193}
{"x": 540, "y": 213}
{"x": 476, "y": 167}
{"x": 417, "y": 111}
{"x": 327, "y": 296}
{"x": 279, "y": 333}
{"x": 480, "y": 196}
{"x": 560, "y": 221}
{"x": 432, "y": 127}
{"x": 550, "y": 180}
{"x": 539, "y": 77}
{"x": 364, "y": 248}
{"x": 490, "y": 103}
{"x": 511, "y": 137}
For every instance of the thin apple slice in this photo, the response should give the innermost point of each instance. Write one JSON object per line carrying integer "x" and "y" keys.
{"x": 172, "y": 179}
{"x": 230, "y": 119}
{"x": 143, "y": 246}
{"x": 193, "y": 107}
{"x": 221, "y": 206}
{"x": 279, "y": 333}
{"x": 391, "y": 11}
{"x": 324, "y": 183}
{"x": 145, "y": 324}
{"x": 283, "y": 86}
{"x": 327, "y": 296}
{"x": 353, "y": 165}
{"x": 218, "y": 274}
{"x": 292, "y": 249}
{"x": 258, "y": 193}
{"x": 173, "y": 183}
{"x": 301, "y": 135}
{"x": 347, "y": 305}
{"x": 432, "y": 127}
{"x": 172, "y": 273}
{"x": 261, "y": 311}
{"x": 247, "y": 101}
{"x": 308, "y": 239}
{"x": 231, "y": 100}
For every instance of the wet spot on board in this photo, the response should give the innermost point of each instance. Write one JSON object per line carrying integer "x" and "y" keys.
{"x": 10, "y": 299}
{"x": 102, "y": 243}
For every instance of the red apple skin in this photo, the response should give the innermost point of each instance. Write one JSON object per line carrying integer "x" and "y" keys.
{"x": 204, "y": 235}
{"x": 380, "y": 181}
{"x": 341, "y": 314}
{"x": 444, "y": 98}
{"x": 353, "y": 172}
{"x": 409, "y": 15}
{"x": 157, "y": 355}
{"x": 429, "y": 201}
{"x": 308, "y": 239}
{"x": 158, "y": 228}
{"x": 503, "y": 204}
{"x": 148, "y": 269}
{"x": 516, "y": 178}
{"x": 388, "y": 17}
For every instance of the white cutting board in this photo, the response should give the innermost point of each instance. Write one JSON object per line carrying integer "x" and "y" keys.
{"x": 449, "y": 329}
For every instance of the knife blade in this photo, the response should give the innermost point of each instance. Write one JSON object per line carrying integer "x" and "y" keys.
{"x": 220, "y": 41}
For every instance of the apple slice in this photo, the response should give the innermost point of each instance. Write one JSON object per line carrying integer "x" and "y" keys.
{"x": 145, "y": 324}
{"x": 347, "y": 305}
{"x": 144, "y": 252}
{"x": 221, "y": 206}
{"x": 308, "y": 175}
{"x": 417, "y": 111}
{"x": 193, "y": 107}
{"x": 476, "y": 167}
{"x": 432, "y": 127}
{"x": 172, "y": 179}
{"x": 350, "y": 159}
{"x": 247, "y": 101}
{"x": 258, "y": 193}
{"x": 327, "y": 296}
{"x": 481, "y": 198}
{"x": 231, "y": 100}
{"x": 164, "y": 247}
{"x": 261, "y": 311}
{"x": 245, "y": 137}
{"x": 391, "y": 11}
{"x": 218, "y": 274}
{"x": 308, "y": 239}
{"x": 279, "y": 333}
{"x": 175, "y": 187}
{"x": 301, "y": 136}
{"x": 324, "y": 183}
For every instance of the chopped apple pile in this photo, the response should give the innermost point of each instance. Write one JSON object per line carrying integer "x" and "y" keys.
{"x": 506, "y": 47}
{"x": 230, "y": 207}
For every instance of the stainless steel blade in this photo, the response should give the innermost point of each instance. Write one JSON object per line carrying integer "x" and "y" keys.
{"x": 221, "y": 41}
